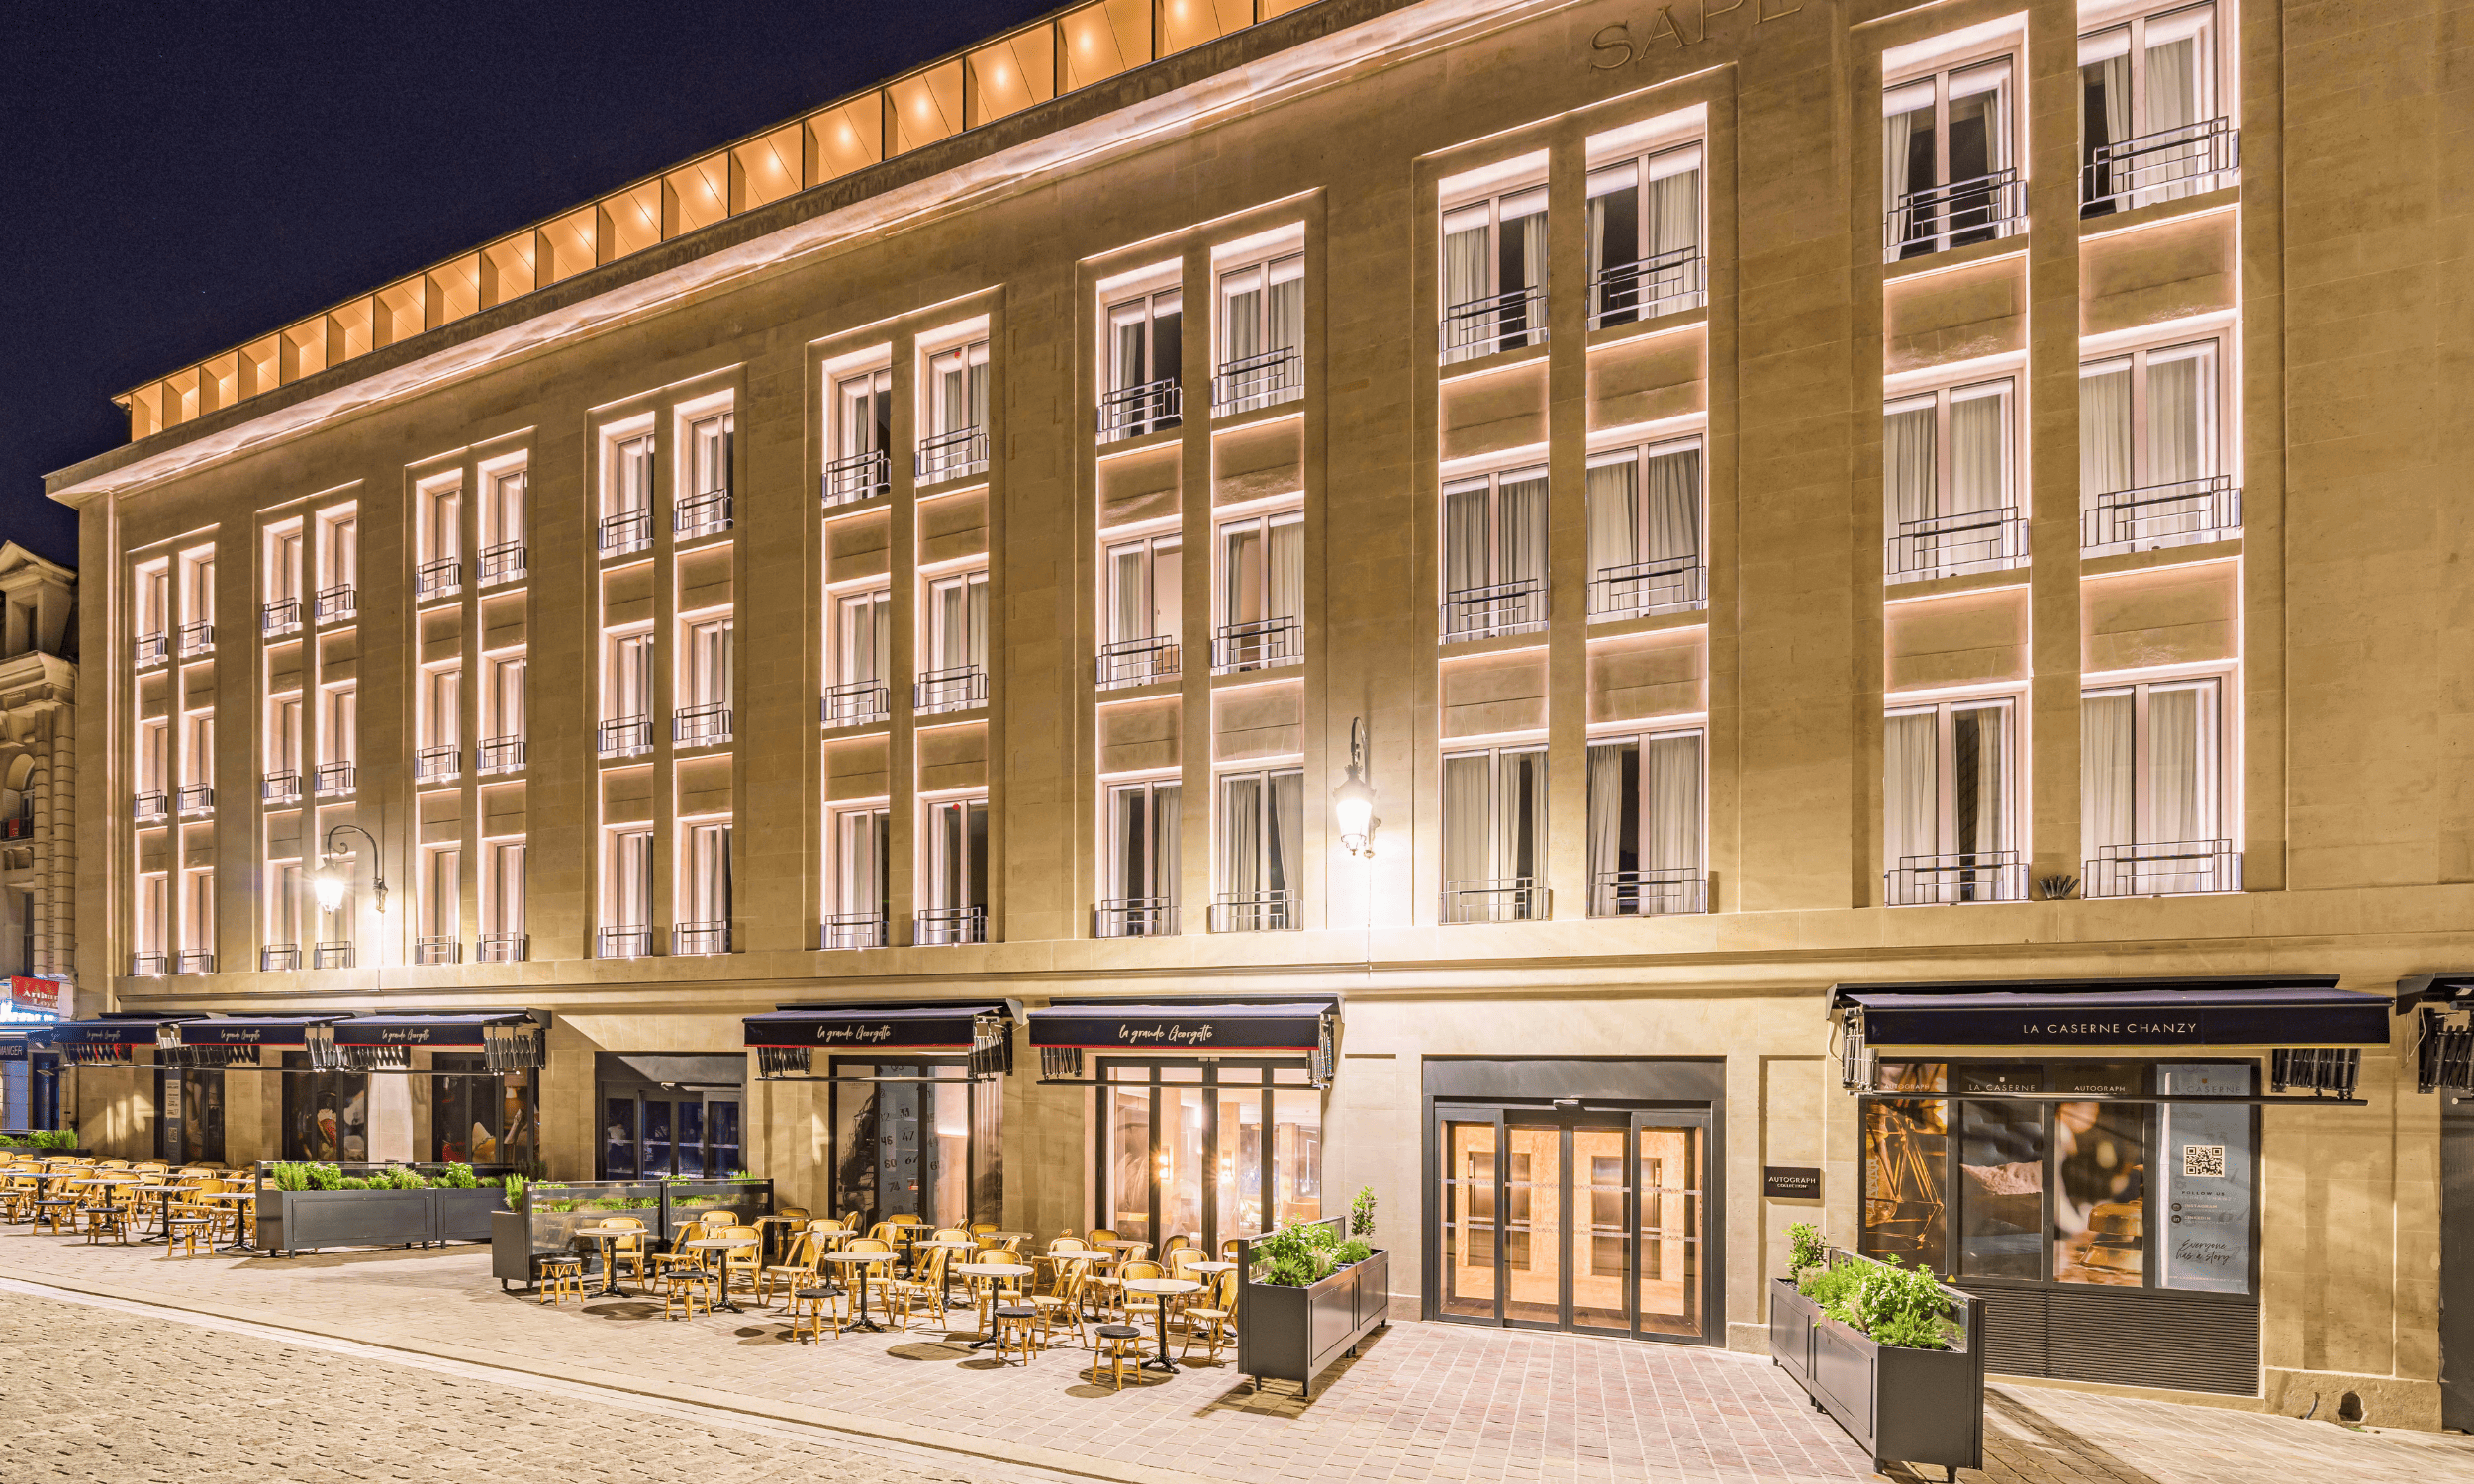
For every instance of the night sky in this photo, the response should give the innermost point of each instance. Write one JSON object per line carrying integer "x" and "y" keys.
{"x": 181, "y": 178}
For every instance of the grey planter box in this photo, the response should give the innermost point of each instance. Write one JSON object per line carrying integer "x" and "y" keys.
{"x": 1911, "y": 1406}
{"x": 1292, "y": 1334}
{"x": 465, "y": 1215}
{"x": 307, "y": 1220}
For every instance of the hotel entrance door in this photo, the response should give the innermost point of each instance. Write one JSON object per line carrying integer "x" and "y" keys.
{"x": 1573, "y": 1218}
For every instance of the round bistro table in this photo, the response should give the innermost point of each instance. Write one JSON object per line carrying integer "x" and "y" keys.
{"x": 723, "y": 1244}
{"x": 859, "y": 1315}
{"x": 990, "y": 1274}
{"x": 1162, "y": 1288}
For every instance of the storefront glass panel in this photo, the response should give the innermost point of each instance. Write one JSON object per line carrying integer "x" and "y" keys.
{"x": 1907, "y": 1170}
{"x": 1467, "y": 1205}
{"x": 1671, "y": 1202}
{"x": 919, "y": 1139}
{"x": 326, "y": 1114}
{"x": 1183, "y": 1148}
{"x": 1598, "y": 1247}
{"x": 2001, "y": 1167}
{"x": 1297, "y": 1158}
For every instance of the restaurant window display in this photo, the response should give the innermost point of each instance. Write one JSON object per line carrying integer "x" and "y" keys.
{"x": 1212, "y": 1149}
{"x": 189, "y": 1122}
{"x": 476, "y": 1118}
{"x": 326, "y": 1114}
{"x": 916, "y": 1137}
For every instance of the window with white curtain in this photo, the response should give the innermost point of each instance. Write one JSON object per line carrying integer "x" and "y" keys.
{"x": 1145, "y": 603}
{"x": 704, "y": 501}
{"x": 154, "y": 756}
{"x": 628, "y": 682}
{"x": 442, "y": 708}
{"x": 703, "y": 887}
{"x": 1494, "y": 263}
{"x": 859, "y": 651}
{"x": 153, "y": 922}
{"x": 283, "y": 566}
{"x": 197, "y": 597}
{"x": 503, "y": 711}
{"x": 2152, "y": 805}
{"x": 628, "y": 495}
{"x": 338, "y": 550}
{"x": 2151, "y": 125}
{"x": 1949, "y": 780}
{"x": 1146, "y": 333}
{"x": 1262, "y": 849}
{"x": 1494, "y": 821}
{"x": 438, "y": 543}
{"x": 628, "y": 894}
{"x": 1494, "y": 554}
{"x": 1948, "y": 477}
{"x": 1948, "y": 175}
{"x": 154, "y": 600}
{"x": 338, "y": 730}
{"x": 503, "y": 516}
{"x": 955, "y": 867}
{"x": 283, "y": 737}
{"x": 1262, "y": 335}
{"x": 1646, "y": 851}
{"x": 859, "y": 842}
{"x": 1645, "y": 530}
{"x": 2152, "y": 450}
{"x": 1261, "y": 592}
{"x": 196, "y": 761}
{"x": 859, "y": 463}
{"x": 955, "y": 401}
{"x": 704, "y": 712}
{"x": 1140, "y": 855}
{"x": 1645, "y": 238}
{"x": 956, "y": 672}
{"x": 503, "y": 900}
{"x": 440, "y": 901}
{"x": 197, "y": 915}
{"x": 283, "y": 906}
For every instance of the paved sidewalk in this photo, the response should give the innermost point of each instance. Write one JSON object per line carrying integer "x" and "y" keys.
{"x": 1423, "y": 1402}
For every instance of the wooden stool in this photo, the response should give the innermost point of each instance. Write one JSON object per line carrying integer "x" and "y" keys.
{"x": 185, "y": 1231}
{"x": 811, "y": 1307}
{"x": 1016, "y": 1328}
{"x": 54, "y": 1213}
{"x": 1119, "y": 1344}
{"x": 562, "y": 1278}
{"x": 683, "y": 1288}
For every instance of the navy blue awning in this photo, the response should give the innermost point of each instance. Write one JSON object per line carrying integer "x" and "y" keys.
{"x": 424, "y": 1028}
{"x": 111, "y": 1029}
{"x": 246, "y": 1030}
{"x": 2293, "y": 1010}
{"x": 878, "y": 1023}
{"x": 1206, "y": 1026}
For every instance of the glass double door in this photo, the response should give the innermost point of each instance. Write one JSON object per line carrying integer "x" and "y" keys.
{"x": 646, "y": 1134}
{"x": 1583, "y": 1219}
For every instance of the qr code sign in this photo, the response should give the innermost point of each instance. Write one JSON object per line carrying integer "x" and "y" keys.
{"x": 2203, "y": 1161}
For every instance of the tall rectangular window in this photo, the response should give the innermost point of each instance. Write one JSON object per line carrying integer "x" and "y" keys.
{"x": 2152, "y": 450}
{"x": 704, "y": 504}
{"x": 956, "y": 872}
{"x": 502, "y": 712}
{"x": 439, "y": 899}
{"x": 1947, "y": 462}
{"x": 955, "y": 399}
{"x": 197, "y": 915}
{"x": 338, "y": 730}
{"x": 859, "y": 656}
{"x": 1145, "y": 599}
{"x": 339, "y": 566}
{"x": 626, "y": 694}
{"x": 1645, "y": 238}
{"x": 1261, "y": 857}
{"x": 861, "y": 882}
{"x": 196, "y": 761}
{"x": 1140, "y": 854}
{"x": 704, "y": 712}
{"x": 503, "y": 512}
{"x": 438, "y": 540}
{"x": 2153, "y": 789}
{"x": 283, "y": 567}
{"x": 1645, "y": 532}
{"x": 503, "y": 902}
{"x": 1948, "y": 175}
{"x": 1145, "y": 353}
{"x": 627, "y": 896}
{"x": 442, "y": 721}
{"x": 155, "y": 760}
{"x": 1495, "y": 823}
{"x": 153, "y": 924}
{"x": 1261, "y": 592}
{"x": 705, "y": 888}
{"x": 1494, "y": 263}
{"x": 1948, "y": 805}
{"x": 627, "y": 522}
{"x": 859, "y": 464}
{"x": 197, "y": 600}
{"x": 956, "y": 677}
{"x": 154, "y": 616}
{"x": 1261, "y": 336}
{"x": 283, "y": 909}
{"x": 2151, "y": 125}
{"x": 1494, "y": 554}
{"x": 1645, "y": 826}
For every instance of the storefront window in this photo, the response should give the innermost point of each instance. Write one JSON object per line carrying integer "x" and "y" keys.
{"x": 190, "y": 1128}
{"x": 2204, "y": 1237}
{"x": 2001, "y": 1168}
{"x": 476, "y": 1118}
{"x": 1907, "y": 1168}
{"x": 2100, "y": 1164}
{"x": 326, "y": 1114}
{"x": 925, "y": 1148}
{"x": 1198, "y": 1148}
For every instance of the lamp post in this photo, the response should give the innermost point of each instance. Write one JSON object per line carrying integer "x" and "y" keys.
{"x": 332, "y": 883}
{"x": 1352, "y": 802}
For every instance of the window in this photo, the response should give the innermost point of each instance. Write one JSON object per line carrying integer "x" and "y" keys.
{"x": 1262, "y": 594}
{"x": 705, "y": 506}
{"x": 1645, "y": 238}
{"x": 196, "y": 602}
{"x": 2152, "y": 790}
{"x": 477, "y": 1116}
{"x": 627, "y": 496}
{"x": 703, "y": 890}
{"x": 502, "y": 902}
{"x": 1143, "y": 395}
{"x": 502, "y": 712}
{"x": 1947, "y": 179}
{"x": 154, "y": 600}
{"x": 928, "y": 1147}
{"x": 283, "y": 576}
{"x": 1261, "y": 336}
{"x": 338, "y": 565}
{"x": 197, "y": 920}
{"x": 1214, "y": 1148}
{"x": 1645, "y": 826}
{"x": 860, "y": 465}
{"x": 1262, "y": 853}
{"x": 439, "y": 899}
{"x": 957, "y": 644}
{"x": 197, "y": 763}
{"x": 704, "y": 716}
{"x": 1947, "y": 460}
{"x": 326, "y": 1114}
{"x": 503, "y": 526}
{"x": 1948, "y": 799}
{"x": 957, "y": 414}
{"x": 1144, "y": 603}
{"x": 861, "y": 842}
{"x": 1138, "y": 899}
{"x": 1494, "y": 262}
{"x": 440, "y": 737}
{"x": 627, "y": 896}
{"x": 2150, "y": 126}
{"x": 439, "y": 541}
{"x": 1495, "y": 811}
{"x": 1645, "y": 532}
{"x": 2151, "y": 451}
{"x": 1494, "y": 555}
{"x": 153, "y": 924}
{"x": 283, "y": 916}
{"x": 338, "y": 739}
{"x": 861, "y": 646}
{"x": 956, "y": 888}
{"x": 626, "y": 695}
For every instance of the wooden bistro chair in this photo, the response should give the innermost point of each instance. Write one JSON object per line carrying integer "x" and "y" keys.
{"x": 1139, "y": 1308}
{"x": 17, "y": 1195}
{"x": 923, "y": 1290}
{"x": 740, "y": 1266}
{"x": 679, "y": 1256}
{"x": 1211, "y": 1317}
{"x": 1061, "y": 1307}
{"x": 795, "y": 1270}
{"x": 628, "y": 1250}
{"x": 192, "y": 1218}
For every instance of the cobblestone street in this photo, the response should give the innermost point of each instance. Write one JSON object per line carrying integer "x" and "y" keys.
{"x": 415, "y": 1366}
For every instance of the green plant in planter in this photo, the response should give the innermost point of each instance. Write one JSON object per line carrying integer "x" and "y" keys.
{"x": 325, "y": 1176}
{"x": 1362, "y": 1213}
{"x": 1291, "y": 1258}
{"x": 1901, "y": 1306}
{"x": 1355, "y": 1250}
{"x": 54, "y": 1138}
{"x": 1831, "y": 1289}
{"x": 514, "y": 1185}
{"x": 1805, "y": 1249}
{"x": 456, "y": 1177}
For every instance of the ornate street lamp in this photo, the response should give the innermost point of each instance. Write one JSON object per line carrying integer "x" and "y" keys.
{"x": 332, "y": 883}
{"x": 1352, "y": 802}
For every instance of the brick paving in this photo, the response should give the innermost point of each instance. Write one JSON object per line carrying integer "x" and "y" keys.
{"x": 1423, "y": 1402}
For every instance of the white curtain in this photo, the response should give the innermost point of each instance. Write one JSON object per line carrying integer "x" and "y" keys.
{"x": 1521, "y": 516}
{"x": 1286, "y": 851}
{"x": 2174, "y": 444}
{"x": 1979, "y": 431}
{"x": 1286, "y": 571}
{"x": 1911, "y": 795}
{"x": 1907, "y": 459}
{"x": 1241, "y": 834}
{"x": 2104, "y": 774}
{"x": 1284, "y": 324}
{"x": 2104, "y": 431}
{"x": 1464, "y": 555}
{"x": 1165, "y": 853}
{"x": 1609, "y": 822}
{"x": 2172, "y": 84}
{"x": 1241, "y": 313}
{"x": 1670, "y": 795}
{"x": 1675, "y": 224}
{"x": 1979, "y": 778}
{"x": 1614, "y": 529}
{"x": 2177, "y": 801}
{"x": 1464, "y": 257}
{"x": 1129, "y": 609}
{"x": 1466, "y": 819}
{"x": 1671, "y": 498}
{"x": 977, "y": 610}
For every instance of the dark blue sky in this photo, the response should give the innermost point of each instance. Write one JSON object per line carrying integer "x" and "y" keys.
{"x": 180, "y": 179}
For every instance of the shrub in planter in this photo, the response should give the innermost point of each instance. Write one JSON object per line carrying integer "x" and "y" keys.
{"x": 1874, "y": 1345}
{"x": 1805, "y": 1249}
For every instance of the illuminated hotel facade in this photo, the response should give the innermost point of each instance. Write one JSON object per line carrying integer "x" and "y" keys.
{"x": 1883, "y": 568}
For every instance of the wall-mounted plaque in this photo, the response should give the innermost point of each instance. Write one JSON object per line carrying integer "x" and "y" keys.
{"x": 1781, "y": 1182}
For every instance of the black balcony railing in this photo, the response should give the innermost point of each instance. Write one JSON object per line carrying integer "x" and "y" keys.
{"x": 1253, "y": 912}
{"x": 436, "y": 764}
{"x": 330, "y": 779}
{"x": 2180, "y": 513}
{"x": 503, "y": 563}
{"x": 951, "y": 455}
{"x": 151, "y": 804}
{"x": 626, "y": 532}
{"x": 1257, "y": 644}
{"x": 1134, "y": 917}
{"x": 196, "y": 639}
{"x": 857, "y": 703}
{"x": 1505, "y": 900}
{"x": 625, "y": 737}
{"x": 1514, "y": 607}
{"x": 699, "y": 938}
{"x": 150, "y": 966}
{"x": 498, "y": 755}
{"x": 1640, "y": 590}
{"x": 956, "y": 689}
{"x": 438, "y": 578}
{"x": 194, "y": 798}
{"x": 2167, "y": 867}
{"x": 630, "y": 942}
{"x": 2163, "y": 166}
{"x": 1510, "y": 321}
{"x": 1139, "y": 662}
{"x": 283, "y": 786}
{"x": 1667, "y": 283}
{"x": 1131, "y": 411}
{"x": 1675, "y": 891}
{"x": 279, "y": 957}
{"x": 1946, "y": 545}
{"x": 500, "y": 947}
{"x": 1956, "y": 876}
{"x": 854, "y": 930}
{"x": 331, "y": 956}
{"x": 438, "y": 950}
{"x": 708, "y": 725}
{"x": 859, "y": 476}
{"x": 703, "y": 514}
{"x": 153, "y": 648}
{"x": 193, "y": 963}
{"x": 1982, "y": 209}
{"x": 1258, "y": 381}
{"x": 282, "y": 615}
{"x": 940, "y": 925}
{"x": 333, "y": 604}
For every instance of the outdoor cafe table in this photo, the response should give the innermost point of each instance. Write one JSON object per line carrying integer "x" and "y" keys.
{"x": 163, "y": 1229}
{"x": 991, "y": 1272}
{"x": 721, "y": 1245}
{"x": 1163, "y": 1289}
{"x": 609, "y": 1236}
{"x": 240, "y": 1230}
{"x": 949, "y": 1245}
{"x": 859, "y": 1316}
